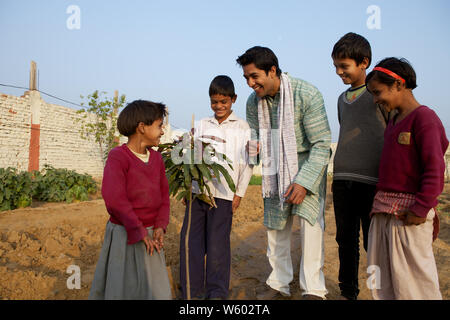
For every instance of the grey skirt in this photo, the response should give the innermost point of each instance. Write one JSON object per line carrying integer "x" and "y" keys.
{"x": 128, "y": 272}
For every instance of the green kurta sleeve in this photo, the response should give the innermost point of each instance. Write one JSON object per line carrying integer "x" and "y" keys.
{"x": 252, "y": 120}
{"x": 317, "y": 133}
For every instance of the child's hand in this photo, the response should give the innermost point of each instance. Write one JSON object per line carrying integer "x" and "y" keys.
{"x": 149, "y": 245}
{"x": 410, "y": 218}
{"x": 236, "y": 203}
{"x": 158, "y": 238}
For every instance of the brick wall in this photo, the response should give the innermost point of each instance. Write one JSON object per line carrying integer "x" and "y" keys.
{"x": 58, "y": 141}
{"x": 15, "y": 128}
{"x": 60, "y": 144}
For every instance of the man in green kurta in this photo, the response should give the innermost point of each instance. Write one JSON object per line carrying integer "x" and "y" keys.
{"x": 291, "y": 131}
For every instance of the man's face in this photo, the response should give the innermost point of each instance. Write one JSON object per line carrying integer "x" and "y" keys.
{"x": 263, "y": 84}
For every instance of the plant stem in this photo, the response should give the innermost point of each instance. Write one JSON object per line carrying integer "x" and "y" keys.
{"x": 186, "y": 245}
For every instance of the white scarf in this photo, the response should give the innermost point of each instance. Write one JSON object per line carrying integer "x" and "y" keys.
{"x": 282, "y": 157}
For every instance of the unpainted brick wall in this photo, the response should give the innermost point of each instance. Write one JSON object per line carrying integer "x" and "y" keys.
{"x": 60, "y": 142}
{"x": 15, "y": 127}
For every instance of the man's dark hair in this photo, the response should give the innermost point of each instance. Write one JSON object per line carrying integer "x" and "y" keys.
{"x": 400, "y": 66}
{"x": 222, "y": 85}
{"x": 262, "y": 57}
{"x": 139, "y": 111}
{"x": 352, "y": 46}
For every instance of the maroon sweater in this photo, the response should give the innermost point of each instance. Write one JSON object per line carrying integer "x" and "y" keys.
{"x": 412, "y": 160}
{"x": 136, "y": 194}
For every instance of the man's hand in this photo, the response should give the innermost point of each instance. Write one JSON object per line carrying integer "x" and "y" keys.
{"x": 410, "y": 218}
{"x": 295, "y": 194}
{"x": 236, "y": 203}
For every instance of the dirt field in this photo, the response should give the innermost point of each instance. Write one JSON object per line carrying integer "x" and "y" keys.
{"x": 38, "y": 244}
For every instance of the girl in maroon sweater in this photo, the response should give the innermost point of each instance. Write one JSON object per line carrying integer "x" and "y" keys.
{"x": 411, "y": 177}
{"x": 136, "y": 195}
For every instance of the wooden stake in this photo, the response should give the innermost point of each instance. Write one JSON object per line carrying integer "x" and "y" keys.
{"x": 33, "y": 76}
{"x": 115, "y": 111}
{"x": 186, "y": 239}
{"x": 116, "y": 101}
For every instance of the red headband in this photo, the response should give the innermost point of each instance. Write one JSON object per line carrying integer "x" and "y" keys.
{"x": 389, "y": 72}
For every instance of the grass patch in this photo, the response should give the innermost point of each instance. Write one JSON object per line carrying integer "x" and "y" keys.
{"x": 255, "y": 180}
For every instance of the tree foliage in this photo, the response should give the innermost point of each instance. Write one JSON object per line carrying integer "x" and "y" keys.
{"x": 186, "y": 161}
{"x": 103, "y": 128}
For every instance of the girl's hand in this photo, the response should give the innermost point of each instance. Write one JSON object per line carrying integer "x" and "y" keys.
{"x": 149, "y": 245}
{"x": 410, "y": 218}
{"x": 158, "y": 238}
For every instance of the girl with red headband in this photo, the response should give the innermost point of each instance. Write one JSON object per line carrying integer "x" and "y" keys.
{"x": 404, "y": 222}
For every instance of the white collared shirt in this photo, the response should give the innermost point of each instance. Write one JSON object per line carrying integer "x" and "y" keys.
{"x": 236, "y": 133}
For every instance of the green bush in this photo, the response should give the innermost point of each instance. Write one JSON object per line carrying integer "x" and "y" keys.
{"x": 54, "y": 185}
{"x": 15, "y": 189}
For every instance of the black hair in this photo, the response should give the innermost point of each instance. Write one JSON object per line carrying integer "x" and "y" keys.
{"x": 262, "y": 57}
{"x": 400, "y": 66}
{"x": 139, "y": 111}
{"x": 222, "y": 85}
{"x": 352, "y": 46}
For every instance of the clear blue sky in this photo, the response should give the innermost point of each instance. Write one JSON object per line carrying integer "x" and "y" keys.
{"x": 169, "y": 51}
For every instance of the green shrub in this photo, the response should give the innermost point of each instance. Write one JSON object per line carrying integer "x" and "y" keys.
{"x": 56, "y": 185}
{"x": 17, "y": 189}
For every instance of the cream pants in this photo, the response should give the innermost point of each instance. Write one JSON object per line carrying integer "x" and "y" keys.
{"x": 312, "y": 280}
{"x": 402, "y": 259}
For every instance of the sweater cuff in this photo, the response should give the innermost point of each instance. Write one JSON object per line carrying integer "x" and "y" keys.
{"x": 137, "y": 234}
{"x": 419, "y": 210}
{"x": 156, "y": 225}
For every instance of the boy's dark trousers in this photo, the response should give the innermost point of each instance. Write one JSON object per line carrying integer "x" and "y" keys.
{"x": 209, "y": 235}
{"x": 352, "y": 205}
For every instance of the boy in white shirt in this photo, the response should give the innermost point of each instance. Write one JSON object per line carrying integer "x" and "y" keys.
{"x": 210, "y": 228}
